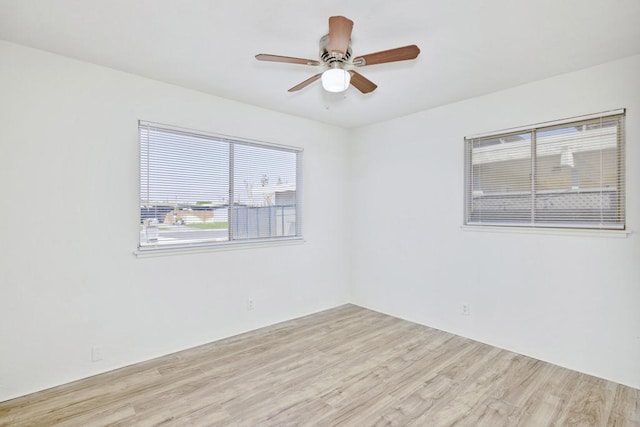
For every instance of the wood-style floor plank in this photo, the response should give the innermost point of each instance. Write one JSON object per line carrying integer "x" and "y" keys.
{"x": 347, "y": 366}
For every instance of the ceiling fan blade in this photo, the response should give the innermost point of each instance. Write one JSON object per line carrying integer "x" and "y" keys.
{"x": 339, "y": 34}
{"x": 287, "y": 59}
{"x": 391, "y": 55}
{"x": 305, "y": 83}
{"x": 362, "y": 83}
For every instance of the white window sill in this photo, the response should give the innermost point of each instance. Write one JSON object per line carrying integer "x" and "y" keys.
{"x": 551, "y": 231}
{"x": 150, "y": 252}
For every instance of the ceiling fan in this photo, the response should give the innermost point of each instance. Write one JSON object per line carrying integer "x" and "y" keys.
{"x": 336, "y": 55}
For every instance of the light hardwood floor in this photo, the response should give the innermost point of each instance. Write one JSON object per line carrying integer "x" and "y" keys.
{"x": 346, "y": 366}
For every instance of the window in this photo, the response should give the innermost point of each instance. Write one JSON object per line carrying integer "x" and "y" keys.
{"x": 200, "y": 189}
{"x": 567, "y": 174}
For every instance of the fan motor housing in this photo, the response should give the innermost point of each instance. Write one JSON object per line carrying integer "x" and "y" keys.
{"x": 332, "y": 58}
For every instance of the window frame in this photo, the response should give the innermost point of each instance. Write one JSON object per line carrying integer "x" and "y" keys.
{"x": 572, "y": 225}
{"x": 151, "y": 249}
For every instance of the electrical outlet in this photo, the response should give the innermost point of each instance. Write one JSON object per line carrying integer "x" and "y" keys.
{"x": 466, "y": 310}
{"x": 249, "y": 304}
{"x": 96, "y": 353}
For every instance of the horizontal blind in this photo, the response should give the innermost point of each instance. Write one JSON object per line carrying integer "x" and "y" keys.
{"x": 500, "y": 179}
{"x": 566, "y": 175}
{"x": 265, "y": 191}
{"x": 200, "y": 189}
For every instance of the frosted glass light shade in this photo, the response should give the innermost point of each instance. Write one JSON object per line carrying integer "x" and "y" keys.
{"x": 335, "y": 80}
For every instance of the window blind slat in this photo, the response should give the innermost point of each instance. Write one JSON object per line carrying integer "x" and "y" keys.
{"x": 562, "y": 175}
{"x": 194, "y": 191}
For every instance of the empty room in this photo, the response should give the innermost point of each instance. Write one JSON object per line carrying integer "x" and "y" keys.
{"x": 281, "y": 213}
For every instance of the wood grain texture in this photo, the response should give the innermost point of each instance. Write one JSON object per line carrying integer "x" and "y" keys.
{"x": 346, "y": 366}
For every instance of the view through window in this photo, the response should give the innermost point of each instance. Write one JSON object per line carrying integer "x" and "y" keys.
{"x": 200, "y": 189}
{"x": 567, "y": 174}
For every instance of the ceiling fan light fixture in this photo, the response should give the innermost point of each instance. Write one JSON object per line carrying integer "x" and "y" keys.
{"x": 336, "y": 55}
{"x": 336, "y": 80}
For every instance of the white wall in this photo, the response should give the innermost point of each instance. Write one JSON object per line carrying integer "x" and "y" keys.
{"x": 68, "y": 225}
{"x": 567, "y": 299}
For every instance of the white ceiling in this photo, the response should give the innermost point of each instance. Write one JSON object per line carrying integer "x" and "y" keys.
{"x": 469, "y": 47}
